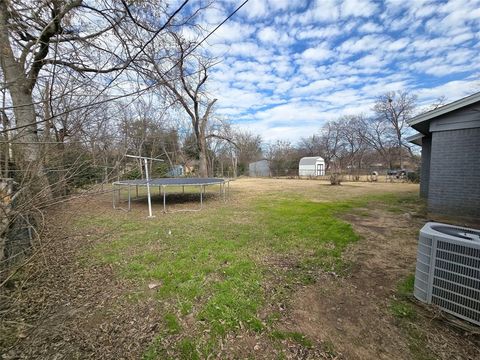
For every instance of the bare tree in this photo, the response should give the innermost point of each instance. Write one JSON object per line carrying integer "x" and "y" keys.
{"x": 377, "y": 134}
{"x": 283, "y": 158}
{"x": 249, "y": 149}
{"x": 185, "y": 82}
{"x": 330, "y": 143}
{"x": 41, "y": 38}
{"x": 26, "y": 35}
{"x": 310, "y": 146}
{"x": 395, "y": 108}
{"x": 354, "y": 145}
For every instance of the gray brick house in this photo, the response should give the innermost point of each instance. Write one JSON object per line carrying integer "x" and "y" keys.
{"x": 450, "y": 171}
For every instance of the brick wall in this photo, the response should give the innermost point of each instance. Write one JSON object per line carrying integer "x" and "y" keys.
{"x": 425, "y": 169}
{"x": 454, "y": 183}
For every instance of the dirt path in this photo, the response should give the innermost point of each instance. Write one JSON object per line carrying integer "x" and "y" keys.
{"x": 352, "y": 313}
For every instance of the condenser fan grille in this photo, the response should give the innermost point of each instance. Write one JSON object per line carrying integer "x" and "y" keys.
{"x": 456, "y": 266}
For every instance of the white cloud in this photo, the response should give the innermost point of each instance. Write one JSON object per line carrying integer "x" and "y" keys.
{"x": 397, "y": 44}
{"x": 269, "y": 35}
{"x": 289, "y": 66}
{"x": 317, "y": 53}
{"x": 313, "y": 87}
{"x": 370, "y": 27}
{"x": 357, "y": 8}
{"x": 366, "y": 43}
{"x": 324, "y": 11}
{"x": 232, "y": 32}
{"x": 255, "y": 8}
{"x": 318, "y": 33}
{"x": 452, "y": 90}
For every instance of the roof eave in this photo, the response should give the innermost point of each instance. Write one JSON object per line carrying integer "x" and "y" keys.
{"x": 466, "y": 101}
{"x": 416, "y": 139}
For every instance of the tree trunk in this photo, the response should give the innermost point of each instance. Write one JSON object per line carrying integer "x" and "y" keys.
{"x": 7, "y": 149}
{"x": 28, "y": 156}
{"x": 234, "y": 165}
{"x": 202, "y": 165}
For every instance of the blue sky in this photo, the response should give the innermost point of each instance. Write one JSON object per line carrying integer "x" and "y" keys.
{"x": 289, "y": 66}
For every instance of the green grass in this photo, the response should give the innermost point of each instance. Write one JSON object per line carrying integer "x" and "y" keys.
{"x": 405, "y": 288}
{"x": 297, "y": 337}
{"x": 214, "y": 265}
{"x": 171, "y": 323}
{"x": 401, "y": 309}
{"x": 404, "y": 310}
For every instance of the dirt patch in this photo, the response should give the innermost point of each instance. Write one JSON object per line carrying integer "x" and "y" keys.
{"x": 247, "y": 345}
{"x": 353, "y": 312}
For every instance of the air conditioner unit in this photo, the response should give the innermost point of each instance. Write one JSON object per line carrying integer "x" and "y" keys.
{"x": 448, "y": 269}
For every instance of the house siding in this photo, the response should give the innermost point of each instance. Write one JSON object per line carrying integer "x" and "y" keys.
{"x": 453, "y": 184}
{"x": 425, "y": 169}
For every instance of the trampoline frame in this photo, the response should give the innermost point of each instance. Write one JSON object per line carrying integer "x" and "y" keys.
{"x": 163, "y": 184}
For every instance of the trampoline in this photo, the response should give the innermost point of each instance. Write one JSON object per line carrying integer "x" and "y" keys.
{"x": 163, "y": 185}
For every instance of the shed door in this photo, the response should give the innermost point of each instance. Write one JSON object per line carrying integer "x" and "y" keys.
{"x": 319, "y": 169}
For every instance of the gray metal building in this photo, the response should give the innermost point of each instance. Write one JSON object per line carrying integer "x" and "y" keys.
{"x": 259, "y": 168}
{"x": 450, "y": 172}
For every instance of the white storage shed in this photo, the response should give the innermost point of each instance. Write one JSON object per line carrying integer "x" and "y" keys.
{"x": 311, "y": 166}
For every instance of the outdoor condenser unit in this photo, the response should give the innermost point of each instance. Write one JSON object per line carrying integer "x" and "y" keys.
{"x": 448, "y": 269}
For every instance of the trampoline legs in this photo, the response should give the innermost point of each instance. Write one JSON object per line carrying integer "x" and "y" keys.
{"x": 129, "y": 198}
{"x": 164, "y": 200}
{"x": 224, "y": 190}
{"x": 150, "y": 215}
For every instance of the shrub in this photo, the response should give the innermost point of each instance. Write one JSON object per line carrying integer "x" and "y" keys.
{"x": 413, "y": 176}
{"x": 133, "y": 174}
{"x": 336, "y": 179}
{"x": 160, "y": 170}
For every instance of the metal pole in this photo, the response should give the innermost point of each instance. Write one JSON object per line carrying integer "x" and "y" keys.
{"x": 136, "y": 190}
{"x": 129, "y": 201}
{"x": 113, "y": 195}
{"x": 201, "y": 197}
{"x": 148, "y": 190}
{"x": 164, "y": 200}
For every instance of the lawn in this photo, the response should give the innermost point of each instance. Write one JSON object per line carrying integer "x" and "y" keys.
{"x": 282, "y": 269}
{"x": 224, "y": 265}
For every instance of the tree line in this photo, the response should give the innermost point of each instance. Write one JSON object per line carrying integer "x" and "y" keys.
{"x": 85, "y": 83}
{"x": 355, "y": 144}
